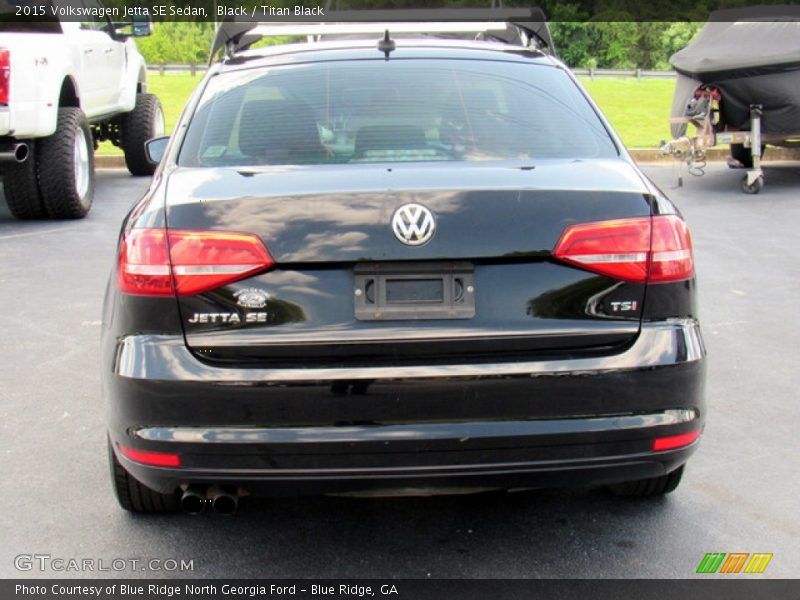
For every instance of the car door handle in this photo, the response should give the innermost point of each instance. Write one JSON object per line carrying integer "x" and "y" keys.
{"x": 88, "y": 51}
{"x": 109, "y": 50}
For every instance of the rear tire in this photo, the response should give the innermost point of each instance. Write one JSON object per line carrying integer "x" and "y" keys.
{"x": 135, "y": 497}
{"x": 144, "y": 122}
{"x": 65, "y": 164}
{"x": 21, "y": 189}
{"x": 648, "y": 488}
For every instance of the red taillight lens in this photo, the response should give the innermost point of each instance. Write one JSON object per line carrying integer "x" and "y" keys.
{"x": 204, "y": 260}
{"x": 155, "y": 459}
{"x": 671, "y": 258}
{"x": 157, "y": 262}
{"x": 655, "y": 249}
{"x": 674, "y": 441}
{"x": 5, "y": 75}
{"x": 617, "y": 248}
{"x": 143, "y": 268}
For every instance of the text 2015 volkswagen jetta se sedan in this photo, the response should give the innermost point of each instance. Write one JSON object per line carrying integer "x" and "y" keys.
{"x": 434, "y": 268}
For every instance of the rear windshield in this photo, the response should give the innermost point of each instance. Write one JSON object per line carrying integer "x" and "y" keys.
{"x": 392, "y": 111}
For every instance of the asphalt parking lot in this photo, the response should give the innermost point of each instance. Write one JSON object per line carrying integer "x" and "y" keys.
{"x": 740, "y": 492}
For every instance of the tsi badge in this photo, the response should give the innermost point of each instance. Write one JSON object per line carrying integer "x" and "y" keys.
{"x": 625, "y": 306}
{"x": 413, "y": 224}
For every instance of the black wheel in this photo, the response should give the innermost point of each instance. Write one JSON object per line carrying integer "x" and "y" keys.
{"x": 144, "y": 122}
{"x": 21, "y": 189}
{"x": 134, "y": 496}
{"x": 646, "y": 488}
{"x": 65, "y": 165}
{"x": 752, "y": 188}
{"x": 743, "y": 155}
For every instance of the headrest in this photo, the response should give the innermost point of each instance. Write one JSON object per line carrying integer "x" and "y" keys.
{"x": 278, "y": 129}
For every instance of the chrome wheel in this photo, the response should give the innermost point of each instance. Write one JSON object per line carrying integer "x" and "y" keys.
{"x": 158, "y": 123}
{"x": 80, "y": 157}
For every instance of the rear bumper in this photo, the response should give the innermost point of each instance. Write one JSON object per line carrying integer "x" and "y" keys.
{"x": 533, "y": 424}
{"x": 522, "y": 454}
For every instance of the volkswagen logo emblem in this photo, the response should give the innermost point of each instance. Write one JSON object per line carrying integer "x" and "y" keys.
{"x": 413, "y": 224}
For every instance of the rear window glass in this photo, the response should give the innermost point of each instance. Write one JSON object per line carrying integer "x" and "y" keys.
{"x": 392, "y": 111}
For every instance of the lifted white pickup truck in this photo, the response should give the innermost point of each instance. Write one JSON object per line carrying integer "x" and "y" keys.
{"x": 65, "y": 87}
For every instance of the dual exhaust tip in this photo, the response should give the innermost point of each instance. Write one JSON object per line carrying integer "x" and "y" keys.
{"x": 223, "y": 500}
{"x": 17, "y": 152}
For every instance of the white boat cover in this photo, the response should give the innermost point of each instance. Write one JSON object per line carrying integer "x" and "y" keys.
{"x": 753, "y": 56}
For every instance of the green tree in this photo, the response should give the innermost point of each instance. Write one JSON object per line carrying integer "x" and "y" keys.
{"x": 180, "y": 43}
{"x": 674, "y": 38}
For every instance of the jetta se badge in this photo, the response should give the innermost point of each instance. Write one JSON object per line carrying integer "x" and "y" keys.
{"x": 413, "y": 224}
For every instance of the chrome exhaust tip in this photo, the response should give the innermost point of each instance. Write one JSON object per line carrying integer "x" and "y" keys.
{"x": 21, "y": 152}
{"x": 17, "y": 152}
{"x": 224, "y": 500}
{"x": 193, "y": 500}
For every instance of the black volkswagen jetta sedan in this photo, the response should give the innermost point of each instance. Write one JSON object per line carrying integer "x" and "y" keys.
{"x": 434, "y": 269}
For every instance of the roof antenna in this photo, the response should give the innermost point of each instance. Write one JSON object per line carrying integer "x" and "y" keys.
{"x": 386, "y": 45}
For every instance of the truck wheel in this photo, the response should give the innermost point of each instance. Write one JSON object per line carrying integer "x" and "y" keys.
{"x": 646, "y": 488}
{"x": 144, "y": 122}
{"x": 65, "y": 161}
{"x": 134, "y": 496}
{"x": 22, "y": 190}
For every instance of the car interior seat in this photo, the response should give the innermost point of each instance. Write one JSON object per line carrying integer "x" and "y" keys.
{"x": 279, "y": 132}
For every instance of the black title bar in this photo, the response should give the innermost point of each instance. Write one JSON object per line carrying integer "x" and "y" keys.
{"x": 401, "y": 589}
{"x": 322, "y": 10}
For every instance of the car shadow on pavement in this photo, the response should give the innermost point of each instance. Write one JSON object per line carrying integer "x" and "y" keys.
{"x": 558, "y": 533}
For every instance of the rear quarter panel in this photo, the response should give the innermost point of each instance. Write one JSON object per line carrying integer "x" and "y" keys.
{"x": 39, "y": 65}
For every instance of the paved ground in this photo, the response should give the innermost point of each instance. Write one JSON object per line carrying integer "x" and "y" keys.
{"x": 740, "y": 492}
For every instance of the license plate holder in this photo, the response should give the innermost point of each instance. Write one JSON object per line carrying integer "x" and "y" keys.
{"x": 414, "y": 291}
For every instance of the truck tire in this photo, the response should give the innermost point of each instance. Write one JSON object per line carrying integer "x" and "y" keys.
{"x": 21, "y": 189}
{"x": 65, "y": 164}
{"x": 135, "y": 497}
{"x": 144, "y": 122}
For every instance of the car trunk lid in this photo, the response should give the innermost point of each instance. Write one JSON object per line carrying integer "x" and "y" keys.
{"x": 329, "y": 231}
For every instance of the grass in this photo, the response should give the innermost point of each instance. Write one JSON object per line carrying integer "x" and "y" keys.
{"x": 173, "y": 89}
{"x": 638, "y": 109}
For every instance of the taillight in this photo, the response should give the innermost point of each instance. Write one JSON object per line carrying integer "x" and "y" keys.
{"x": 157, "y": 262}
{"x": 5, "y": 75}
{"x": 671, "y": 442}
{"x": 204, "y": 260}
{"x": 143, "y": 267}
{"x": 618, "y": 248}
{"x": 155, "y": 459}
{"x": 642, "y": 249}
{"x": 671, "y": 253}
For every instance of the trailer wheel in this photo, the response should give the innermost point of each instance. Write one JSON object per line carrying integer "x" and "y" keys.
{"x": 752, "y": 188}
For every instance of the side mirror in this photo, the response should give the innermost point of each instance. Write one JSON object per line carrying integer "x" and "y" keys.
{"x": 142, "y": 25}
{"x": 155, "y": 148}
